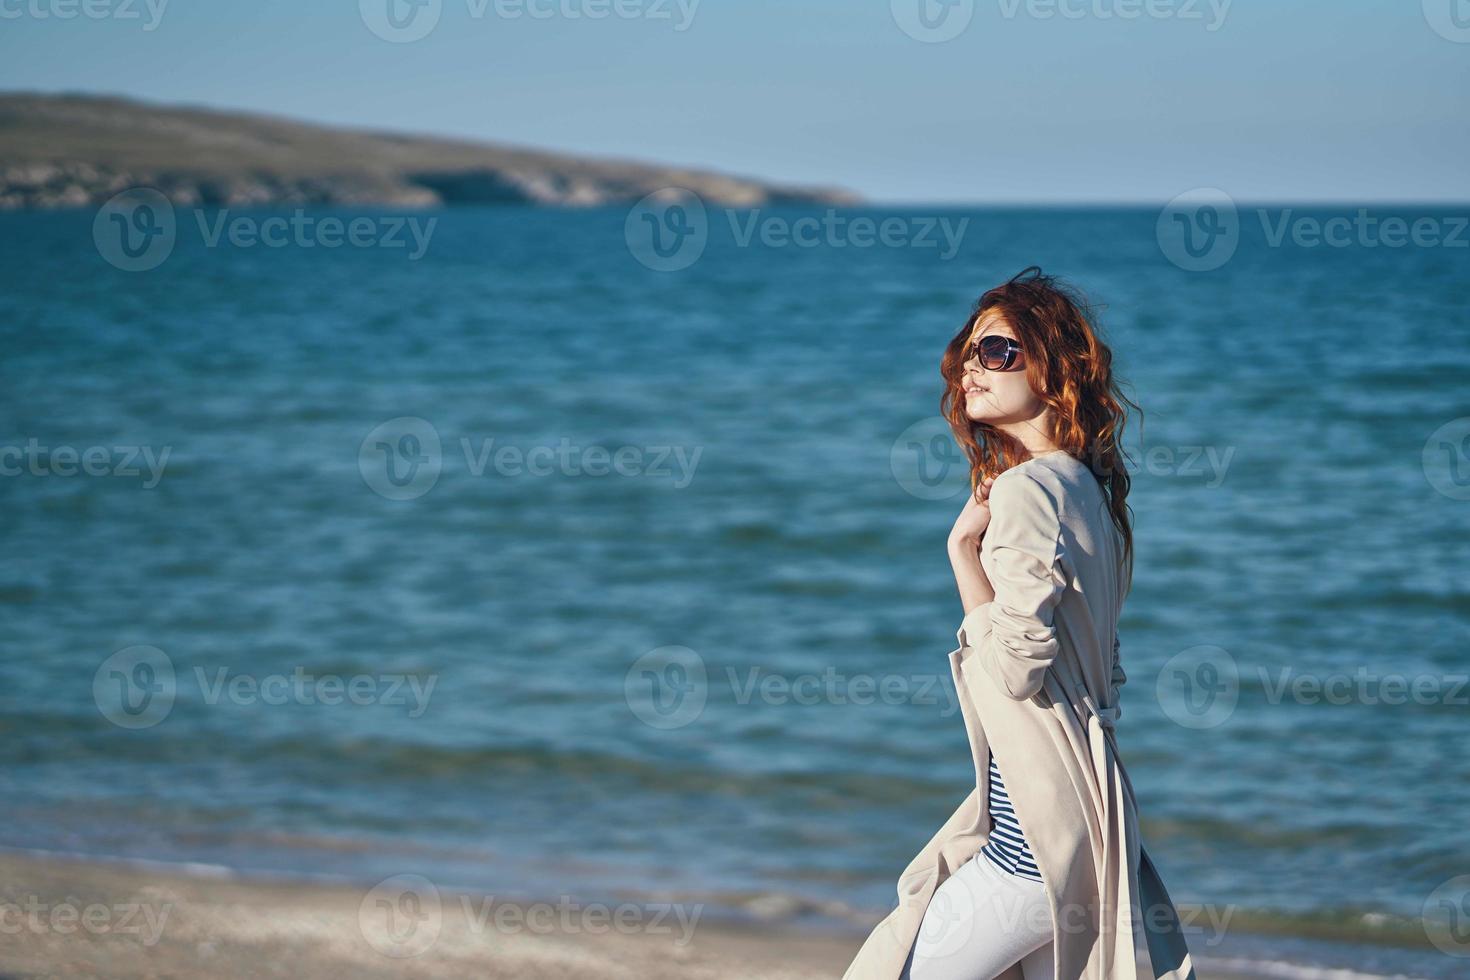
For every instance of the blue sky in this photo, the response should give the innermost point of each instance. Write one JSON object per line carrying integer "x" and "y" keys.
{"x": 1270, "y": 100}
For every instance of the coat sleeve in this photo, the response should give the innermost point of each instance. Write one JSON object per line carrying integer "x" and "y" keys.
{"x": 1013, "y": 635}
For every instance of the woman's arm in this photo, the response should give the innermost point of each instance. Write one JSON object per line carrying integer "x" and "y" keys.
{"x": 1011, "y": 626}
{"x": 964, "y": 550}
{"x": 969, "y": 575}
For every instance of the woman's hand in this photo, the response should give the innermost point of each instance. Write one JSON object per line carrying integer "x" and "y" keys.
{"x": 970, "y": 526}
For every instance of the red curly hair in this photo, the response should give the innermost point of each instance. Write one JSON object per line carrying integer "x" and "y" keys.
{"x": 1069, "y": 365}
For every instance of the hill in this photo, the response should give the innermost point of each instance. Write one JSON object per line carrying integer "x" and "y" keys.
{"x": 78, "y": 150}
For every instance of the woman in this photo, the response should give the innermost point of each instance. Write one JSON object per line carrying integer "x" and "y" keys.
{"x": 1040, "y": 872}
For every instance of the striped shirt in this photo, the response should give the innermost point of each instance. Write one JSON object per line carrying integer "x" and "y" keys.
{"x": 1006, "y": 846}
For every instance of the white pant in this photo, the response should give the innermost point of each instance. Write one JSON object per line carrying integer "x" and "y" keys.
{"x": 980, "y": 921}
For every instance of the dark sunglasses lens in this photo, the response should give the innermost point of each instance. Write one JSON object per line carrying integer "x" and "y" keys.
{"x": 993, "y": 352}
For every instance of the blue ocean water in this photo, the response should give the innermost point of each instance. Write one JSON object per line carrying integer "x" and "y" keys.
{"x": 738, "y": 458}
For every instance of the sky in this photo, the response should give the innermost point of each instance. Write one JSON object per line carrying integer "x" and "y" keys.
{"x": 903, "y": 101}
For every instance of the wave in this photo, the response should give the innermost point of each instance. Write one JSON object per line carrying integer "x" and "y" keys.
{"x": 1267, "y": 969}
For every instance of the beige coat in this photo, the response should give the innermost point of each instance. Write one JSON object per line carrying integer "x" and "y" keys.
{"x": 1037, "y": 674}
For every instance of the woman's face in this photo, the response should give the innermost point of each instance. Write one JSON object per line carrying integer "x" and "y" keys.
{"x": 1000, "y": 398}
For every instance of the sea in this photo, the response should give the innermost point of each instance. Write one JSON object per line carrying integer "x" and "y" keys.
{"x": 600, "y": 554}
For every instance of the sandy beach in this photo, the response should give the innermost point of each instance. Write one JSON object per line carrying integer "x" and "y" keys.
{"x": 68, "y": 917}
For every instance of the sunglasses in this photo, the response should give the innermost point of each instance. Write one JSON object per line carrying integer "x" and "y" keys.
{"x": 996, "y": 353}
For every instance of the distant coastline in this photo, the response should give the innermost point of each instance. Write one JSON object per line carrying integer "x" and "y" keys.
{"x": 77, "y": 151}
